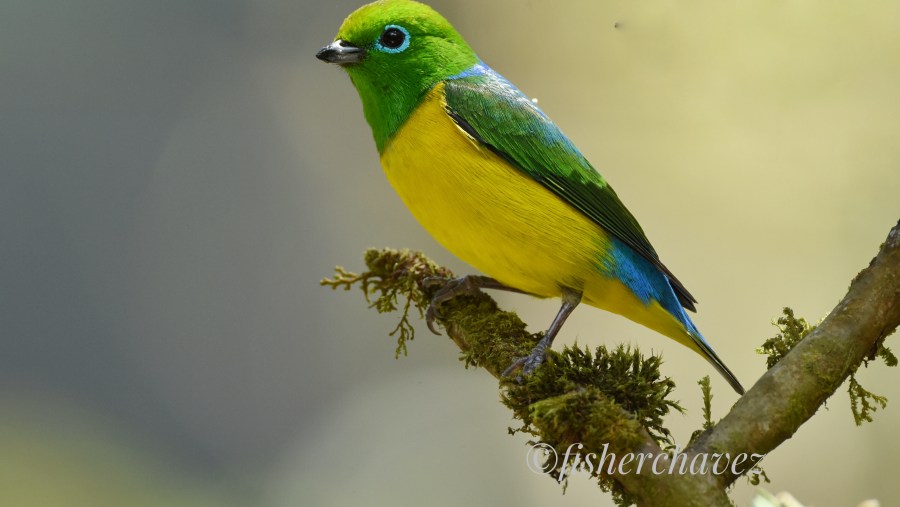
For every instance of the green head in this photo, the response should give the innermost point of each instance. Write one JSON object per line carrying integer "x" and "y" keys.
{"x": 395, "y": 51}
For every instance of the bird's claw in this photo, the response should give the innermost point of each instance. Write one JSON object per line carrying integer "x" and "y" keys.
{"x": 518, "y": 363}
{"x": 532, "y": 363}
{"x": 432, "y": 313}
{"x": 450, "y": 288}
{"x": 528, "y": 364}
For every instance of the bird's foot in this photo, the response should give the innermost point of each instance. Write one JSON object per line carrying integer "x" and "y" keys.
{"x": 570, "y": 299}
{"x": 451, "y": 288}
{"x": 529, "y": 363}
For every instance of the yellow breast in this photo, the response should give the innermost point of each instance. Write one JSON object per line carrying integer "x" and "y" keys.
{"x": 486, "y": 212}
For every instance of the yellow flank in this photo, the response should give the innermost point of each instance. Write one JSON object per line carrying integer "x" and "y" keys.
{"x": 503, "y": 222}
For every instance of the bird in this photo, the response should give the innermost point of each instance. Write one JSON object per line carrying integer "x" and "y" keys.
{"x": 487, "y": 173}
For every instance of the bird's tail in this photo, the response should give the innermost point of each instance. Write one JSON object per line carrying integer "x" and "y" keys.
{"x": 703, "y": 348}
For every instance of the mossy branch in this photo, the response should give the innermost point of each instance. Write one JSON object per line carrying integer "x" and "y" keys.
{"x": 614, "y": 397}
{"x": 801, "y": 380}
{"x": 615, "y": 400}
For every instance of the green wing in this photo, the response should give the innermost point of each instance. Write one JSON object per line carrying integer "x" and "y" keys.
{"x": 497, "y": 114}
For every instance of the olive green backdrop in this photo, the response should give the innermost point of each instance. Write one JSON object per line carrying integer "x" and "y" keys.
{"x": 176, "y": 177}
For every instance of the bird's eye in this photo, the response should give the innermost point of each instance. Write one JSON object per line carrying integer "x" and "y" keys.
{"x": 393, "y": 39}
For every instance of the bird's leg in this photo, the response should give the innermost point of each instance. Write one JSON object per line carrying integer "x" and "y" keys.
{"x": 570, "y": 299}
{"x": 454, "y": 287}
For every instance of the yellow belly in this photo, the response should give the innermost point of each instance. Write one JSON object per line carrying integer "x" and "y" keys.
{"x": 500, "y": 220}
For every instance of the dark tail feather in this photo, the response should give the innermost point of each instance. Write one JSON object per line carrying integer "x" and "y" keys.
{"x": 714, "y": 359}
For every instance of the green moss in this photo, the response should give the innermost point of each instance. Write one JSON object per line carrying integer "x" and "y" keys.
{"x": 791, "y": 331}
{"x": 392, "y": 274}
{"x": 706, "y": 389}
{"x": 588, "y": 417}
{"x": 886, "y": 355}
{"x": 862, "y": 402}
{"x": 624, "y": 375}
{"x": 493, "y": 338}
{"x": 604, "y": 400}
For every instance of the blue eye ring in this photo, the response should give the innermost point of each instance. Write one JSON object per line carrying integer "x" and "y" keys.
{"x": 388, "y": 41}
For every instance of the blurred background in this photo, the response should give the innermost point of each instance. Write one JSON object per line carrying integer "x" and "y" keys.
{"x": 176, "y": 177}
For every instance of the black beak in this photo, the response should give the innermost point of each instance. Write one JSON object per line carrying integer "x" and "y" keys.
{"x": 341, "y": 53}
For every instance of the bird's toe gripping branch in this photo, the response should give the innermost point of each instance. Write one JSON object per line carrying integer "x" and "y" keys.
{"x": 570, "y": 299}
{"x": 530, "y": 362}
